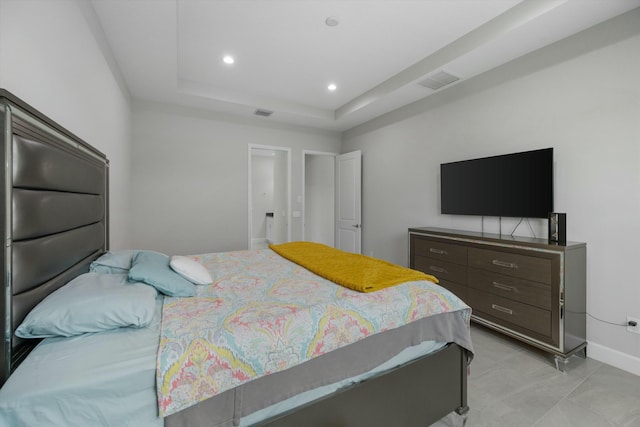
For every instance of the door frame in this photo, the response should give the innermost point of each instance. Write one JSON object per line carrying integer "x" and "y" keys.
{"x": 304, "y": 185}
{"x": 287, "y": 150}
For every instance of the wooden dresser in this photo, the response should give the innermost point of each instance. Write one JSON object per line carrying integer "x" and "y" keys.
{"x": 526, "y": 288}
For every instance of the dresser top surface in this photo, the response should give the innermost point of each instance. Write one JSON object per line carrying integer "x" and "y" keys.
{"x": 496, "y": 238}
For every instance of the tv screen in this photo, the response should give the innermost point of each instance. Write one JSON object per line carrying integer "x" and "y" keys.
{"x": 516, "y": 185}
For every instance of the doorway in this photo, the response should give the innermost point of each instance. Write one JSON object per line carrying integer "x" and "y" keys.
{"x": 318, "y": 197}
{"x": 269, "y": 195}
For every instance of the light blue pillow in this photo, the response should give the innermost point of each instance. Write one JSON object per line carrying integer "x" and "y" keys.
{"x": 115, "y": 262}
{"x": 153, "y": 269}
{"x": 91, "y": 302}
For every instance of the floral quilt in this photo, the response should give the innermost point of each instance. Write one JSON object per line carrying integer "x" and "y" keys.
{"x": 263, "y": 314}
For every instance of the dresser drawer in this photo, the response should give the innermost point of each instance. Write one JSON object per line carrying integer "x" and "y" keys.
{"x": 522, "y": 266}
{"x": 438, "y": 250}
{"x": 441, "y": 269}
{"x": 523, "y": 315}
{"x": 512, "y": 288}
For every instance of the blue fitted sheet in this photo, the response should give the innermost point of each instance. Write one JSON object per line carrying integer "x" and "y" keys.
{"x": 111, "y": 382}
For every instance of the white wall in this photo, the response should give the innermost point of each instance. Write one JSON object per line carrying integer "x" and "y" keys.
{"x": 190, "y": 176}
{"x": 51, "y": 59}
{"x": 580, "y": 96}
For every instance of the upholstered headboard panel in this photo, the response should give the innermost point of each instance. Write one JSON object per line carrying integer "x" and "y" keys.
{"x": 54, "y": 216}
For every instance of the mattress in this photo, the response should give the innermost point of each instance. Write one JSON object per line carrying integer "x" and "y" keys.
{"x": 109, "y": 378}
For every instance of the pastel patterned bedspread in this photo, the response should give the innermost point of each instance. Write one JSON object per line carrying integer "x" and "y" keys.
{"x": 263, "y": 314}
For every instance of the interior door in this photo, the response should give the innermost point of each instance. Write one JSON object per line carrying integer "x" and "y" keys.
{"x": 349, "y": 201}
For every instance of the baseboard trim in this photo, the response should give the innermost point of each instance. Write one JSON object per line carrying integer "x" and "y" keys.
{"x": 615, "y": 358}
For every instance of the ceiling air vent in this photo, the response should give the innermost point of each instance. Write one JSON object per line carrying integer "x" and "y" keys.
{"x": 439, "y": 80}
{"x": 263, "y": 113}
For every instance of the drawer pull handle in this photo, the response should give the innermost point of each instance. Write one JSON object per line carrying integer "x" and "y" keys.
{"x": 502, "y": 309}
{"x": 503, "y": 287}
{"x": 504, "y": 264}
{"x": 438, "y": 251}
{"x": 437, "y": 269}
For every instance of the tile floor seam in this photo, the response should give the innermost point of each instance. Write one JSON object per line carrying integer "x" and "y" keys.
{"x": 583, "y": 378}
{"x": 537, "y": 423}
{"x": 613, "y": 423}
{"x": 497, "y": 366}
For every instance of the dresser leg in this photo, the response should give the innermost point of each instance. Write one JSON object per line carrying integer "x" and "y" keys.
{"x": 561, "y": 363}
{"x": 461, "y": 419}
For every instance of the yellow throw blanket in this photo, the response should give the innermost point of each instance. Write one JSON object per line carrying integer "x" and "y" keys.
{"x": 354, "y": 271}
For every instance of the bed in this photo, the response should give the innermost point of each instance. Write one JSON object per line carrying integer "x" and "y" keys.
{"x": 55, "y": 212}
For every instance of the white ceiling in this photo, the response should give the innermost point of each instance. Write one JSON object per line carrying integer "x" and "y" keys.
{"x": 170, "y": 51}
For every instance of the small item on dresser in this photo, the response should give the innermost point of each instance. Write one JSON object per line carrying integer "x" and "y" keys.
{"x": 558, "y": 227}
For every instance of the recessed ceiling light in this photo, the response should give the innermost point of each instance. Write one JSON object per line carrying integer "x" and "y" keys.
{"x": 228, "y": 59}
{"x": 332, "y": 87}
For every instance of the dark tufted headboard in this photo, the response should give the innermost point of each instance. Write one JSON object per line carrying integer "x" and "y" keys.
{"x": 54, "y": 215}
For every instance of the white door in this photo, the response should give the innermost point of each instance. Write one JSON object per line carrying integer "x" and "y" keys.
{"x": 349, "y": 201}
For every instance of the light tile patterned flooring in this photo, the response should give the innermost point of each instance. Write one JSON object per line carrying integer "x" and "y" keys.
{"x": 515, "y": 385}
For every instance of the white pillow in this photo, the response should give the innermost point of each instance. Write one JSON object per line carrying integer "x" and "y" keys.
{"x": 190, "y": 269}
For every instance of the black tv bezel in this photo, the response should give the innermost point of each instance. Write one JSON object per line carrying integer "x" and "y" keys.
{"x": 482, "y": 210}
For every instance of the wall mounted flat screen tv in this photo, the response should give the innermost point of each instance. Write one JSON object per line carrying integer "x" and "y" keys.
{"x": 518, "y": 185}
